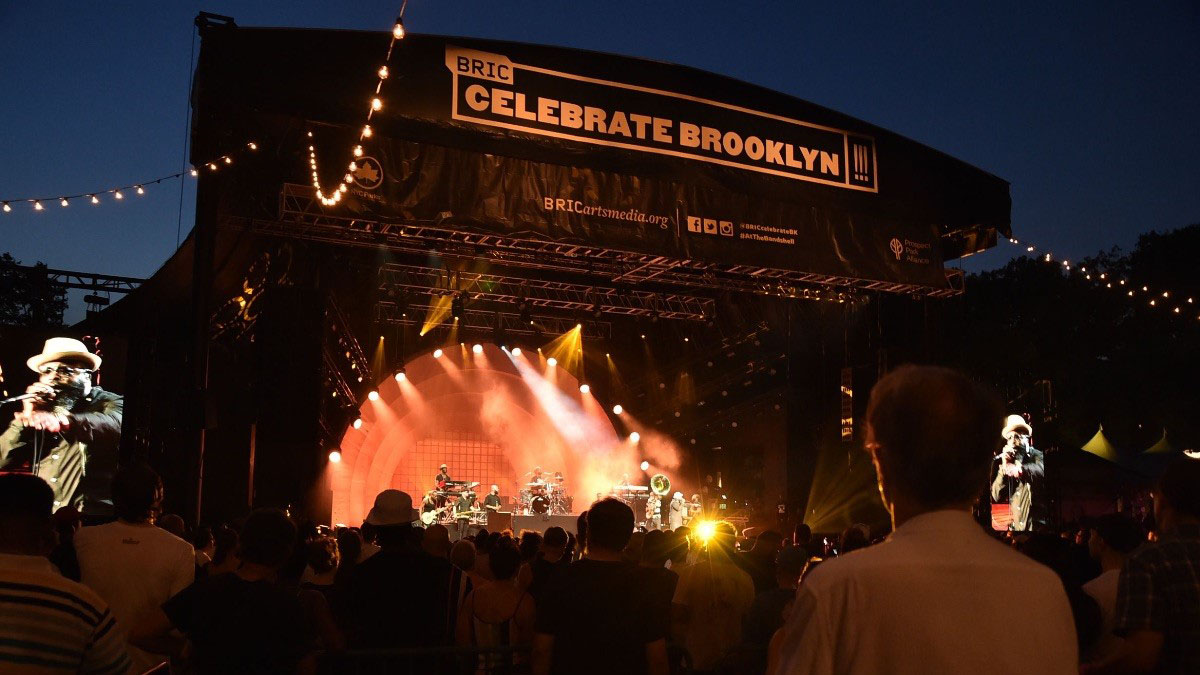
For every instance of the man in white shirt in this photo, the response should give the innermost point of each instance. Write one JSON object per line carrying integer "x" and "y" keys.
{"x": 1113, "y": 537}
{"x": 939, "y": 595}
{"x": 131, "y": 564}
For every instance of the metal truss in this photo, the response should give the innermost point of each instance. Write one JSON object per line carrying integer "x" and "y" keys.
{"x": 500, "y": 323}
{"x": 302, "y": 217}
{"x": 345, "y": 338}
{"x": 87, "y": 281}
{"x": 541, "y": 293}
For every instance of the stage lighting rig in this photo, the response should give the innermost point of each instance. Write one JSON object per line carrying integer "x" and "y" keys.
{"x": 458, "y": 306}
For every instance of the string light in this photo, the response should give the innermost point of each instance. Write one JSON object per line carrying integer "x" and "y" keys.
{"x": 1101, "y": 277}
{"x": 335, "y": 195}
{"x": 118, "y": 192}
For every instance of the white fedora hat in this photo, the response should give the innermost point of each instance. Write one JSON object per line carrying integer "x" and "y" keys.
{"x": 1013, "y": 424}
{"x": 60, "y": 348}
{"x": 392, "y": 507}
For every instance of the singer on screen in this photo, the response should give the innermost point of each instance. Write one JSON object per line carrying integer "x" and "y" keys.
{"x": 1020, "y": 465}
{"x": 68, "y": 430}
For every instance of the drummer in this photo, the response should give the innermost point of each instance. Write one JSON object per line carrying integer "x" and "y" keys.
{"x": 537, "y": 475}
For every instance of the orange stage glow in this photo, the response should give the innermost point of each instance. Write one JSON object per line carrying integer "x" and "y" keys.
{"x": 492, "y": 417}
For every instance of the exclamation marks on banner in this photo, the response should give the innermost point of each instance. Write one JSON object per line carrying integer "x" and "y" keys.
{"x": 862, "y": 170}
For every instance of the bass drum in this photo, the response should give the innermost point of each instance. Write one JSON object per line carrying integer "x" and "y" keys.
{"x": 539, "y": 504}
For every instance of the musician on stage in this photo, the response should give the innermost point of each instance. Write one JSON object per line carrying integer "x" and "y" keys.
{"x": 430, "y": 502}
{"x": 537, "y": 476}
{"x": 443, "y": 477}
{"x": 68, "y": 429}
{"x": 653, "y": 512}
{"x": 463, "y": 511}
{"x": 694, "y": 510}
{"x": 1020, "y": 464}
{"x": 492, "y": 500}
{"x": 677, "y": 509}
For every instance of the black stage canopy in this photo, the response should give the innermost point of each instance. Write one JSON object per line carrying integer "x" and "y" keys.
{"x": 687, "y": 176}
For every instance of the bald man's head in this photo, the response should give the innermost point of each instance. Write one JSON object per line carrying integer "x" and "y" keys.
{"x": 934, "y": 434}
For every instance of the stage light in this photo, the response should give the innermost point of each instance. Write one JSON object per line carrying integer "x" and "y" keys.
{"x": 400, "y": 375}
{"x": 552, "y": 362}
{"x": 586, "y": 389}
{"x": 374, "y": 395}
{"x": 437, "y": 353}
{"x": 645, "y": 466}
{"x": 458, "y": 306}
{"x": 634, "y": 437}
{"x": 578, "y": 326}
{"x": 705, "y": 530}
{"x": 516, "y": 351}
{"x": 357, "y": 423}
{"x": 478, "y": 349}
{"x": 617, "y": 409}
{"x": 335, "y": 456}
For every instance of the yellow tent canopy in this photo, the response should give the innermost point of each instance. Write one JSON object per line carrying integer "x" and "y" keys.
{"x": 1100, "y": 447}
{"x": 1162, "y": 447}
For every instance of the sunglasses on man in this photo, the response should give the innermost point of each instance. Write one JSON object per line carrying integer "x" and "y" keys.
{"x": 62, "y": 370}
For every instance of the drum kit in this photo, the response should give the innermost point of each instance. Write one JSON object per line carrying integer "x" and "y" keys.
{"x": 544, "y": 497}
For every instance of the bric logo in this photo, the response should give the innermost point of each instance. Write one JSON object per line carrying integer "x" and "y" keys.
{"x": 897, "y": 247}
{"x": 368, "y": 173}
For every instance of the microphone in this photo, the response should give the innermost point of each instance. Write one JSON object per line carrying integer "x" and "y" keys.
{"x": 22, "y": 397}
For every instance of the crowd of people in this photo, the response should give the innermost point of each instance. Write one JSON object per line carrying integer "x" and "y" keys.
{"x": 939, "y": 594}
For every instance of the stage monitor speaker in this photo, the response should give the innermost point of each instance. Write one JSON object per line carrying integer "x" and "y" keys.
{"x": 498, "y": 521}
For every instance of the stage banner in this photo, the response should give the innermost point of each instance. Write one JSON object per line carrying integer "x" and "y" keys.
{"x": 410, "y": 181}
{"x": 601, "y": 149}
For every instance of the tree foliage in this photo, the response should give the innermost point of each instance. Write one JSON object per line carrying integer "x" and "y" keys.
{"x": 1110, "y": 358}
{"x": 28, "y": 297}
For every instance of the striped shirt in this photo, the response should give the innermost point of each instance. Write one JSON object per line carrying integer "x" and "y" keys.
{"x": 50, "y": 624}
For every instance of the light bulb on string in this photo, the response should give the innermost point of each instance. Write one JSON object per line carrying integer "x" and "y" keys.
{"x": 398, "y": 29}
{"x": 95, "y": 199}
{"x": 383, "y": 72}
{"x": 376, "y": 104}
{"x": 63, "y": 202}
{"x": 366, "y": 132}
{"x": 7, "y": 208}
{"x": 141, "y": 190}
{"x": 37, "y": 206}
{"x": 117, "y": 194}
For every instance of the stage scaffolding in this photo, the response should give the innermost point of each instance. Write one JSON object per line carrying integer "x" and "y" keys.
{"x": 598, "y": 280}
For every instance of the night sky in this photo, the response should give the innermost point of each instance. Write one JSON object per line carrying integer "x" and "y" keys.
{"x": 1089, "y": 109}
